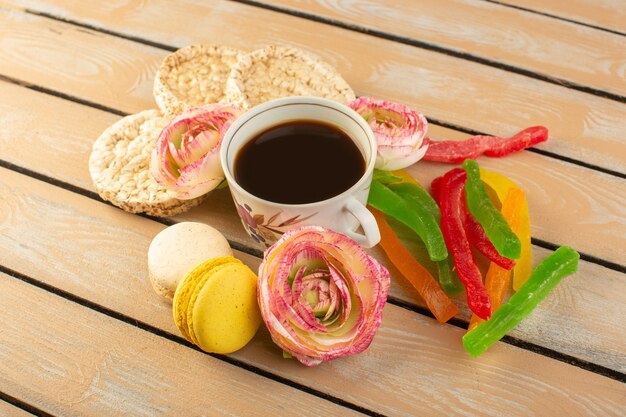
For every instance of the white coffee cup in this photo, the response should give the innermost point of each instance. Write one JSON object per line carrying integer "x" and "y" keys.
{"x": 266, "y": 220}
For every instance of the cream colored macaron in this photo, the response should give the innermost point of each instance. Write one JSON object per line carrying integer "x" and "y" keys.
{"x": 177, "y": 250}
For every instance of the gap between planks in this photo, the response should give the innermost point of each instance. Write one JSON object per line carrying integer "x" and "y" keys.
{"x": 366, "y": 31}
{"x": 554, "y": 16}
{"x": 167, "y": 221}
{"x": 241, "y": 246}
{"x": 571, "y": 132}
{"x": 432, "y": 121}
{"x": 457, "y": 322}
{"x": 377, "y": 353}
{"x": 434, "y": 48}
{"x": 562, "y": 82}
{"x": 536, "y": 150}
{"x": 180, "y": 340}
{"x": 33, "y": 286}
{"x": 515, "y": 341}
{"x": 539, "y": 401}
{"x": 14, "y": 407}
{"x": 542, "y": 242}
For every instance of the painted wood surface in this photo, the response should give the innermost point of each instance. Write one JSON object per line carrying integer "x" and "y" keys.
{"x": 98, "y": 253}
{"x": 70, "y": 360}
{"x": 10, "y": 410}
{"x": 86, "y": 346}
{"x": 607, "y": 14}
{"x": 62, "y": 149}
{"x": 568, "y": 204}
{"x": 597, "y": 338}
{"x": 475, "y": 96}
{"x": 563, "y": 50}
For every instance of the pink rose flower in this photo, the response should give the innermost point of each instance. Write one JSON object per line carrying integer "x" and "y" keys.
{"x": 187, "y": 156}
{"x": 399, "y": 132}
{"x": 321, "y": 295}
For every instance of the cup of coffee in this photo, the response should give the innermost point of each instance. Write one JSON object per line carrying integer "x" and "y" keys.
{"x": 300, "y": 161}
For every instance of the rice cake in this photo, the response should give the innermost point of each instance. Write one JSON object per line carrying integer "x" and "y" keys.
{"x": 193, "y": 76}
{"x": 279, "y": 71}
{"x": 120, "y": 167}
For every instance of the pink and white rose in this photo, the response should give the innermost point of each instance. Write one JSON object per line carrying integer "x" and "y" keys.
{"x": 399, "y": 132}
{"x": 187, "y": 156}
{"x": 321, "y": 295}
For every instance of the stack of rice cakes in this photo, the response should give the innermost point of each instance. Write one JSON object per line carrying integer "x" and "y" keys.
{"x": 200, "y": 74}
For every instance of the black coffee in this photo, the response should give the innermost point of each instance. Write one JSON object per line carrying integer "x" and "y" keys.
{"x": 299, "y": 162}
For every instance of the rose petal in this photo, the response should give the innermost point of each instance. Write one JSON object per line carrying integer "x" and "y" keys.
{"x": 400, "y": 162}
{"x": 399, "y": 131}
{"x": 186, "y": 159}
{"x": 353, "y": 284}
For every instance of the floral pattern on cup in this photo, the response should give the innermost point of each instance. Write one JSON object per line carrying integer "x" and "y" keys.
{"x": 266, "y": 231}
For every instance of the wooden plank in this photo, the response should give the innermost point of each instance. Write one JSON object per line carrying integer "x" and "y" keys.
{"x": 99, "y": 253}
{"x": 529, "y": 41}
{"x": 607, "y": 14}
{"x": 63, "y": 149}
{"x": 112, "y": 273}
{"x": 7, "y": 409}
{"x": 79, "y": 62}
{"x": 568, "y": 204}
{"x": 70, "y": 360}
{"x": 604, "y": 350}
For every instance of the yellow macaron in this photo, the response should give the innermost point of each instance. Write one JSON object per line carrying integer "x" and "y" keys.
{"x": 215, "y": 305}
{"x": 186, "y": 287}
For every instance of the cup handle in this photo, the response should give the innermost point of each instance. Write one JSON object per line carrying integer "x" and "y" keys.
{"x": 368, "y": 223}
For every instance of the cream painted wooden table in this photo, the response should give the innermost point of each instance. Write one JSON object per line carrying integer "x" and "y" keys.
{"x": 82, "y": 332}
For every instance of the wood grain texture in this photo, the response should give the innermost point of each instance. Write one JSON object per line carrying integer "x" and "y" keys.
{"x": 608, "y": 14}
{"x": 81, "y": 63}
{"x": 10, "y": 410}
{"x": 568, "y": 204}
{"x": 61, "y": 150}
{"x": 118, "y": 73}
{"x": 70, "y": 360}
{"x": 414, "y": 367}
{"x": 96, "y": 251}
{"x": 533, "y": 42}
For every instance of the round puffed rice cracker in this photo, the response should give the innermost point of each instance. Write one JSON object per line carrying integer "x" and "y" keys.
{"x": 120, "y": 167}
{"x": 193, "y": 76}
{"x": 278, "y": 71}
